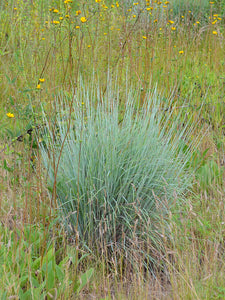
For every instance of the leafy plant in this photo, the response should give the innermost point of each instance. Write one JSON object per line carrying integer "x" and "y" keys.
{"x": 29, "y": 274}
{"x": 207, "y": 170}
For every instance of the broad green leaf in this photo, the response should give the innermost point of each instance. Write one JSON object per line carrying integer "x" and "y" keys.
{"x": 60, "y": 273}
{"x": 7, "y": 168}
{"x": 84, "y": 279}
{"x": 50, "y": 276}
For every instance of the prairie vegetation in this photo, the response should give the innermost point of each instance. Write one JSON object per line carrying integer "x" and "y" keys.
{"x": 112, "y": 149}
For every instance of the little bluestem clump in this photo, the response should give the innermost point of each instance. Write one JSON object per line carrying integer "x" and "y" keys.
{"x": 118, "y": 172}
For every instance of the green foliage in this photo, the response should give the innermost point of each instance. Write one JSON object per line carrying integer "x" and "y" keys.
{"x": 30, "y": 271}
{"x": 119, "y": 171}
{"x": 197, "y": 10}
{"x": 207, "y": 171}
{"x": 210, "y": 173}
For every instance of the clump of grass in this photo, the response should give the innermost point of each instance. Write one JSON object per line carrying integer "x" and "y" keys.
{"x": 115, "y": 172}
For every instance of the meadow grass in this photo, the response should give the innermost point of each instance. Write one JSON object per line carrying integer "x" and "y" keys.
{"x": 51, "y": 50}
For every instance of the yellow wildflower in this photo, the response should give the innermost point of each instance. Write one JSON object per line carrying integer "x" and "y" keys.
{"x": 55, "y": 11}
{"x": 38, "y": 86}
{"x": 41, "y": 79}
{"x": 171, "y": 22}
{"x": 173, "y": 28}
{"x": 215, "y": 32}
{"x": 10, "y": 115}
{"x": 144, "y": 37}
{"x": 181, "y": 52}
{"x": 83, "y": 19}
